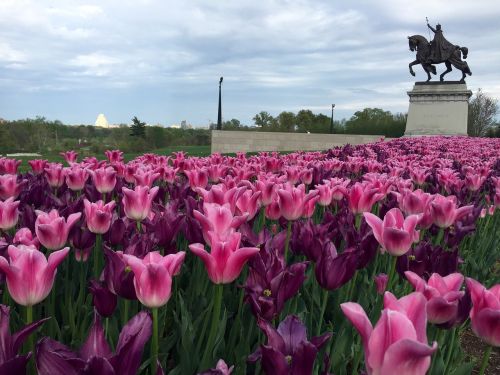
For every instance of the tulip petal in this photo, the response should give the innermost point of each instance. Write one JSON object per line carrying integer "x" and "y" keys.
{"x": 486, "y": 325}
{"x": 357, "y": 316}
{"x": 273, "y": 361}
{"x": 407, "y": 357}
{"x": 131, "y": 342}
{"x": 376, "y": 224}
{"x": 98, "y": 365}
{"x": 303, "y": 359}
{"x": 19, "y": 337}
{"x": 95, "y": 345}
{"x": 53, "y": 358}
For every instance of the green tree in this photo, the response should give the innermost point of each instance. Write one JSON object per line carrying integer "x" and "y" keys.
{"x": 264, "y": 120}
{"x": 286, "y": 122}
{"x": 376, "y": 121}
{"x": 482, "y": 112}
{"x": 138, "y": 128}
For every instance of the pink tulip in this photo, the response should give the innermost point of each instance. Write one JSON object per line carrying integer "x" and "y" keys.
{"x": 474, "y": 181}
{"x": 381, "y": 283}
{"x": 444, "y": 210}
{"x": 198, "y": 178}
{"x": 442, "y": 294}
{"x": 273, "y": 211}
{"x": 9, "y": 166}
{"x": 362, "y": 197}
{"x": 24, "y": 237}
{"x": 325, "y": 194}
{"x": 137, "y": 202}
{"x": 38, "y": 165}
{"x": 52, "y": 230}
{"x": 29, "y": 276}
{"x": 218, "y": 219}
{"x": 221, "y": 195}
{"x": 398, "y": 343}
{"x": 114, "y": 156}
{"x": 104, "y": 179}
{"x": 338, "y": 187}
{"x": 54, "y": 173}
{"x": 268, "y": 191}
{"x": 226, "y": 259}
{"x": 306, "y": 176}
{"x": 485, "y": 313}
{"x": 395, "y": 233}
{"x": 413, "y": 202}
{"x": 249, "y": 203}
{"x": 144, "y": 177}
{"x": 69, "y": 156}
{"x": 293, "y": 199}
{"x": 98, "y": 215}
{"x": 419, "y": 175}
{"x": 76, "y": 177}
{"x": 9, "y": 188}
{"x": 153, "y": 276}
{"x": 9, "y": 214}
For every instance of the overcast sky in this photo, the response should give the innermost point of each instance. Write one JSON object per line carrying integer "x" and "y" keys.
{"x": 161, "y": 60}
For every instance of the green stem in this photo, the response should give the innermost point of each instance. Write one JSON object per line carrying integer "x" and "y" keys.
{"x": 439, "y": 237}
{"x": 139, "y": 226}
{"x": 31, "y": 346}
{"x": 322, "y": 312}
{"x": 484, "y": 362}
{"x": 288, "y": 235}
{"x": 207, "y": 356}
{"x": 392, "y": 273}
{"x": 126, "y": 304}
{"x": 154, "y": 342}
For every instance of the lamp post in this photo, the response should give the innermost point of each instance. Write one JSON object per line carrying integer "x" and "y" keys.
{"x": 219, "y": 114}
{"x": 331, "y": 120}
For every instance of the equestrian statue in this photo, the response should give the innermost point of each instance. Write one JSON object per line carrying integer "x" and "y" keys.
{"x": 438, "y": 51}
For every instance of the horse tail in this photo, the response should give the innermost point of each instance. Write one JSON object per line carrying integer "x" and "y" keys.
{"x": 465, "y": 52}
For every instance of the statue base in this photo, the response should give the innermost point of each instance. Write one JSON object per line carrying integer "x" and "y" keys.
{"x": 438, "y": 108}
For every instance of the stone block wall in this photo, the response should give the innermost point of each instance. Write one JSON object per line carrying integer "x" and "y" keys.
{"x": 252, "y": 141}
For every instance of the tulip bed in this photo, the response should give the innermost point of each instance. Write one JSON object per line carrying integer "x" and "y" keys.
{"x": 371, "y": 258}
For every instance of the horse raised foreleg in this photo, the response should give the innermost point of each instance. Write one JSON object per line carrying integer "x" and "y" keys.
{"x": 448, "y": 69}
{"x": 414, "y": 62}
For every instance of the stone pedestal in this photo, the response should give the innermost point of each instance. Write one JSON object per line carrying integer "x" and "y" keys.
{"x": 438, "y": 108}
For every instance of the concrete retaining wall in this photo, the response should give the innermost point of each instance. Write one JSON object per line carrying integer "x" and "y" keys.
{"x": 233, "y": 141}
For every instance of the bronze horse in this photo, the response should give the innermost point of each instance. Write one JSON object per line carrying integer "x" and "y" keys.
{"x": 422, "y": 46}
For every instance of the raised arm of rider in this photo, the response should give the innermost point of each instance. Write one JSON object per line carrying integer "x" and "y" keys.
{"x": 430, "y": 27}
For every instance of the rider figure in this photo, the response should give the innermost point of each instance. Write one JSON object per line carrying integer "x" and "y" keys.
{"x": 441, "y": 49}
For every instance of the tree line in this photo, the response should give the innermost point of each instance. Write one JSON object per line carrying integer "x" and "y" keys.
{"x": 42, "y": 136}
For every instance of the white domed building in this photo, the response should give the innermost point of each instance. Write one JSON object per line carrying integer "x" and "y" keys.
{"x": 101, "y": 121}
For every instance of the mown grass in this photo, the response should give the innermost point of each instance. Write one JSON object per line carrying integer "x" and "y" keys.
{"x": 203, "y": 150}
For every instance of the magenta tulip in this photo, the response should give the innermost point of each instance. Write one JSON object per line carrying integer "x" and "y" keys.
{"x": 381, "y": 283}
{"x": 98, "y": 215}
{"x": 362, "y": 197}
{"x": 9, "y": 188}
{"x": 442, "y": 294}
{"x": 198, "y": 178}
{"x": 485, "y": 313}
{"x": 444, "y": 210}
{"x": 397, "y": 344}
{"x": 153, "y": 276}
{"x": 226, "y": 259}
{"x": 38, "y": 165}
{"x": 249, "y": 203}
{"x": 114, "y": 156}
{"x": 395, "y": 233}
{"x": 104, "y": 179}
{"x": 52, "y": 230}
{"x": 145, "y": 177}
{"x": 76, "y": 177}
{"x": 69, "y": 156}
{"x": 9, "y": 166}
{"x": 24, "y": 236}
{"x": 218, "y": 219}
{"x": 9, "y": 213}
{"x": 137, "y": 202}
{"x": 54, "y": 173}
{"x": 29, "y": 275}
{"x": 413, "y": 202}
{"x": 293, "y": 200}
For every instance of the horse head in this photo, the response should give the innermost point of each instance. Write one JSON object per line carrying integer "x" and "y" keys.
{"x": 416, "y": 42}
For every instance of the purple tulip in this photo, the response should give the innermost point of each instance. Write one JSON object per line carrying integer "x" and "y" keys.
{"x": 103, "y": 300}
{"x": 288, "y": 352}
{"x": 271, "y": 283}
{"x": 117, "y": 278}
{"x": 220, "y": 369}
{"x": 333, "y": 270}
{"x": 10, "y": 361}
{"x": 95, "y": 356}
